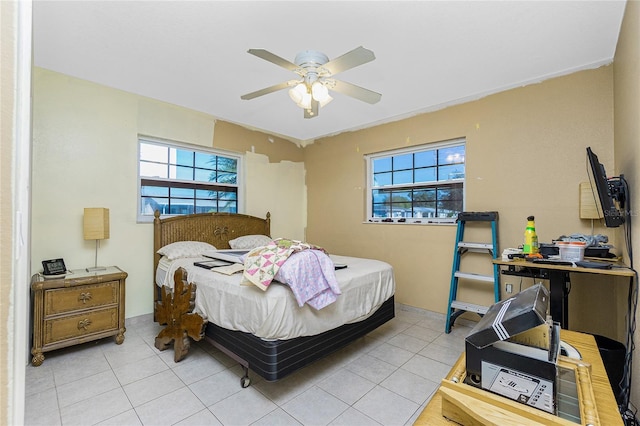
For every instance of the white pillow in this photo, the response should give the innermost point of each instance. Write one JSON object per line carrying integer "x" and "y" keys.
{"x": 182, "y": 249}
{"x": 249, "y": 242}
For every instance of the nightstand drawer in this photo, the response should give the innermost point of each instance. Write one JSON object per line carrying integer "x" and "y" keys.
{"x": 84, "y": 297}
{"x": 71, "y": 326}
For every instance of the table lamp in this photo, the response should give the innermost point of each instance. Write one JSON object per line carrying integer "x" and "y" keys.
{"x": 96, "y": 227}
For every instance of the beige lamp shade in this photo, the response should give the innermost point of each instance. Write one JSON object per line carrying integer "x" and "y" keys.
{"x": 96, "y": 223}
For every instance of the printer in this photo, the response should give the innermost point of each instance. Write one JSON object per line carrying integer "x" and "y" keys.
{"x": 513, "y": 350}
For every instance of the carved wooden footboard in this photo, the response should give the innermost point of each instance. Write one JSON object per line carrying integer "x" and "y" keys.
{"x": 175, "y": 310}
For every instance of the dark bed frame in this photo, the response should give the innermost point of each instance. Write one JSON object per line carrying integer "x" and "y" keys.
{"x": 275, "y": 359}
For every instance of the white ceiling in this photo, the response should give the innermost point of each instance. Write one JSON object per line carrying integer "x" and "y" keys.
{"x": 429, "y": 54}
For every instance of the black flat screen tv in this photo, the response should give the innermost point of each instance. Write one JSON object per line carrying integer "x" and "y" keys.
{"x": 613, "y": 217}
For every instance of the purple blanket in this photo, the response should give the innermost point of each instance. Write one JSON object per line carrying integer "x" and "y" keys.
{"x": 311, "y": 276}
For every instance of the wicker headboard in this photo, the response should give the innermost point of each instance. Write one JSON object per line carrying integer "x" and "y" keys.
{"x": 213, "y": 228}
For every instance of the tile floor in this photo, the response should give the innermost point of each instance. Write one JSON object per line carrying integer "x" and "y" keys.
{"x": 384, "y": 378}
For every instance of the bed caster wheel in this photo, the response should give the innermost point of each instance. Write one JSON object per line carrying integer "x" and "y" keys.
{"x": 245, "y": 382}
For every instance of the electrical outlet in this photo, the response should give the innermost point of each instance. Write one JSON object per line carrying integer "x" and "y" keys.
{"x": 509, "y": 288}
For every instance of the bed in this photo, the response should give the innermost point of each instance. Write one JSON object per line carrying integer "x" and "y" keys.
{"x": 266, "y": 331}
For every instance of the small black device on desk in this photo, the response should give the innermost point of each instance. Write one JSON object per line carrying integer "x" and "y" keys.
{"x": 580, "y": 263}
{"x": 552, "y": 261}
{"x": 595, "y": 265}
{"x": 53, "y": 267}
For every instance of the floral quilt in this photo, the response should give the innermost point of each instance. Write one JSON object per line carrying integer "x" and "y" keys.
{"x": 263, "y": 263}
{"x": 310, "y": 272}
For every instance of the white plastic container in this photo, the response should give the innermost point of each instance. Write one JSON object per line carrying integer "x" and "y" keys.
{"x": 572, "y": 251}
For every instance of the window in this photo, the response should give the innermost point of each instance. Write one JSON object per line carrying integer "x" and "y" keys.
{"x": 178, "y": 179}
{"x": 418, "y": 184}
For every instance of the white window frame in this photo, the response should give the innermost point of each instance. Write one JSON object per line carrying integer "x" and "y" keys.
{"x": 239, "y": 185}
{"x": 369, "y": 159}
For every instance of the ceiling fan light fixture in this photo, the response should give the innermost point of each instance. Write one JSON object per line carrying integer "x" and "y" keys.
{"x": 325, "y": 101}
{"x": 305, "y": 103}
{"x": 319, "y": 91}
{"x": 296, "y": 93}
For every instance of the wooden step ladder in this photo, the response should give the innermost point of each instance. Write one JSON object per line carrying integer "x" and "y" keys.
{"x": 457, "y": 307}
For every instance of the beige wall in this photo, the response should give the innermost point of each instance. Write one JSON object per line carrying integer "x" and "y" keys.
{"x": 283, "y": 182}
{"x": 85, "y": 155}
{"x": 525, "y": 156}
{"x": 236, "y": 138}
{"x": 627, "y": 130}
{"x": 275, "y": 177}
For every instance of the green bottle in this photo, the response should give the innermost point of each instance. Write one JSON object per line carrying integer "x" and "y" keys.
{"x": 530, "y": 238}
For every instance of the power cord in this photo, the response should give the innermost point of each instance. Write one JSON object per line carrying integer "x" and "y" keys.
{"x": 629, "y": 417}
{"x": 627, "y": 410}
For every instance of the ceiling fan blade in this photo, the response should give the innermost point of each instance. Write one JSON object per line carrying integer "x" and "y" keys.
{"x": 273, "y": 58}
{"x": 357, "y": 56}
{"x": 267, "y": 90}
{"x": 313, "y": 111}
{"x": 357, "y": 92}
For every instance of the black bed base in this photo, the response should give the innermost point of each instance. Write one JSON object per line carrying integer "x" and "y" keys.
{"x": 273, "y": 360}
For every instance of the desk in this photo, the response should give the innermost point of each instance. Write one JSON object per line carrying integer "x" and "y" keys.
{"x": 559, "y": 279}
{"x": 585, "y": 343}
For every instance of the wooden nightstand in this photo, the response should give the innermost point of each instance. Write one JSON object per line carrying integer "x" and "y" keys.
{"x": 76, "y": 308}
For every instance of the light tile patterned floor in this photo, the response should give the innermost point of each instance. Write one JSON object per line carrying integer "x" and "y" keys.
{"x": 384, "y": 378}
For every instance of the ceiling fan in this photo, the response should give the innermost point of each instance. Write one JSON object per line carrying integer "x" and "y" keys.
{"x": 316, "y": 71}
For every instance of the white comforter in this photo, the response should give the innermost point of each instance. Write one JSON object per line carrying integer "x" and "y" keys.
{"x": 274, "y": 314}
